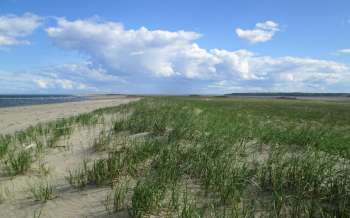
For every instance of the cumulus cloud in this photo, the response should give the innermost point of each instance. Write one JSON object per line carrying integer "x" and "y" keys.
{"x": 300, "y": 73}
{"x": 147, "y": 52}
{"x": 288, "y": 74}
{"x": 14, "y": 28}
{"x": 142, "y": 51}
{"x": 261, "y": 33}
{"x": 164, "y": 61}
{"x": 160, "y": 61}
{"x": 140, "y": 60}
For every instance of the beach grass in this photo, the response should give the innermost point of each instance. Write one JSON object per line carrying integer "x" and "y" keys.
{"x": 116, "y": 200}
{"x": 18, "y": 162}
{"x": 43, "y": 191}
{"x": 209, "y": 157}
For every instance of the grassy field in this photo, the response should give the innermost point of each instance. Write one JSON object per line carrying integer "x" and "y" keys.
{"x": 205, "y": 157}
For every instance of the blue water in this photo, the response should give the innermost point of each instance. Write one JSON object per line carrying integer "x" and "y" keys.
{"x": 24, "y": 100}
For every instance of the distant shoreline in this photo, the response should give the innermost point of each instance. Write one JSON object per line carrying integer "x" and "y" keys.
{"x": 28, "y": 100}
{"x": 287, "y": 94}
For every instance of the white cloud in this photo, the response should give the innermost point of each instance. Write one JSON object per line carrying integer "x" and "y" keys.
{"x": 74, "y": 77}
{"x": 67, "y": 78}
{"x": 161, "y": 60}
{"x": 300, "y": 70}
{"x": 13, "y": 28}
{"x": 344, "y": 51}
{"x": 42, "y": 83}
{"x": 268, "y": 25}
{"x": 261, "y": 33}
{"x": 142, "y": 51}
{"x": 234, "y": 63}
{"x": 59, "y": 84}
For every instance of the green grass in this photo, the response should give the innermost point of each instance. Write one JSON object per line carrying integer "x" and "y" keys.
{"x": 102, "y": 142}
{"x": 43, "y": 191}
{"x": 18, "y": 162}
{"x": 43, "y": 136}
{"x": 247, "y": 156}
{"x": 4, "y": 144}
{"x": 147, "y": 197}
{"x": 116, "y": 200}
{"x": 213, "y": 157}
{"x": 309, "y": 179}
{"x": 78, "y": 177}
{"x": 99, "y": 172}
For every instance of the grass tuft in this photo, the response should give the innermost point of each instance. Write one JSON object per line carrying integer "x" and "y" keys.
{"x": 18, "y": 162}
{"x": 116, "y": 200}
{"x": 43, "y": 191}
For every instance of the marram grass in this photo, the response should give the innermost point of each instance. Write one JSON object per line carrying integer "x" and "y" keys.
{"x": 246, "y": 158}
{"x": 210, "y": 157}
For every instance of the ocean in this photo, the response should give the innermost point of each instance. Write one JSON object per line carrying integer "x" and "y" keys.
{"x": 25, "y": 100}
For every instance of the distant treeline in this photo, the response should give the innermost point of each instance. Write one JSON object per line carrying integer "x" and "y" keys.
{"x": 290, "y": 94}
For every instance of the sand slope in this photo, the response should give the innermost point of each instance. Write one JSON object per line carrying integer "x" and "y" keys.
{"x": 69, "y": 155}
{"x": 17, "y": 118}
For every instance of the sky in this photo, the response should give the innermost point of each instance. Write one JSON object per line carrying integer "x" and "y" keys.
{"x": 174, "y": 47}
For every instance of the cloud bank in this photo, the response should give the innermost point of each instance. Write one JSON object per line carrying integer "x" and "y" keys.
{"x": 160, "y": 61}
{"x": 160, "y": 55}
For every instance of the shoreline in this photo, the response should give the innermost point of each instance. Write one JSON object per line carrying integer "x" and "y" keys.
{"x": 17, "y": 118}
{"x": 30, "y": 100}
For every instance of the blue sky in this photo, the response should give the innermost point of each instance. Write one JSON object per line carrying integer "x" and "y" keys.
{"x": 174, "y": 47}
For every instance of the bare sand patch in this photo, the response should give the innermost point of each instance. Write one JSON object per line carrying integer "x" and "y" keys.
{"x": 18, "y": 118}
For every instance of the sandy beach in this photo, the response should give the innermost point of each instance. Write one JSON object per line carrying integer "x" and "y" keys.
{"x": 18, "y": 118}
{"x": 15, "y": 191}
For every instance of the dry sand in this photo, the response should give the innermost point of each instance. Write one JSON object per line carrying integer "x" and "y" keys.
{"x": 15, "y": 197}
{"x": 18, "y": 118}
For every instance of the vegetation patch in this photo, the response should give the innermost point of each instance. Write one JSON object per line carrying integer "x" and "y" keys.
{"x": 43, "y": 191}
{"x": 208, "y": 157}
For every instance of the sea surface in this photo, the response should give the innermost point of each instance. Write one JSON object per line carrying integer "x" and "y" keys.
{"x": 25, "y": 100}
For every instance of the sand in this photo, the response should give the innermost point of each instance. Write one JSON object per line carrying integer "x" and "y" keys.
{"x": 16, "y": 199}
{"x": 18, "y": 118}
